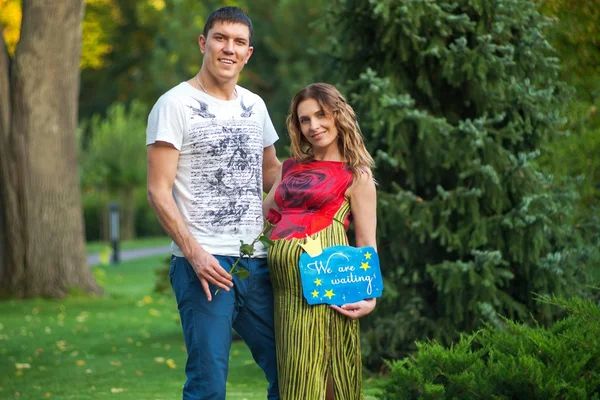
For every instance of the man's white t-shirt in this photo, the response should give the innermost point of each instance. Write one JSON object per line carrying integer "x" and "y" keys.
{"x": 218, "y": 186}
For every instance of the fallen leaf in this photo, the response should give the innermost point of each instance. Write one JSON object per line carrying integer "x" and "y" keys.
{"x": 80, "y": 363}
{"x": 154, "y": 312}
{"x": 116, "y": 363}
{"x": 171, "y": 363}
{"x": 22, "y": 366}
{"x": 159, "y": 360}
{"x": 83, "y": 316}
{"x": 117, "y": 390}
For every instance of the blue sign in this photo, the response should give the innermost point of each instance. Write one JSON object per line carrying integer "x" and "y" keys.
{"x": 341, "y": 275}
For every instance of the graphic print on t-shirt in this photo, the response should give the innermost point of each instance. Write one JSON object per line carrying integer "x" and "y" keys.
{"x": 202, "y": 111}
{"x": 226, "y": 172}
{"x": 247, "y": 113}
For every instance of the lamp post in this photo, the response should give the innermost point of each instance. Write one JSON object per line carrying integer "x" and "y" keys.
{"x": 114, "y": 232}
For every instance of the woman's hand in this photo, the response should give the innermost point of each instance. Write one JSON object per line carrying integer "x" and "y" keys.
{"x": 358, "y": 309}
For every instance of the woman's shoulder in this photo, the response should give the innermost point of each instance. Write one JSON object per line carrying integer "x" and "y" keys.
{"x": 363, "y": 180}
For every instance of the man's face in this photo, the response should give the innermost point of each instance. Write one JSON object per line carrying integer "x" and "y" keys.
{"x": 226, "y": 50}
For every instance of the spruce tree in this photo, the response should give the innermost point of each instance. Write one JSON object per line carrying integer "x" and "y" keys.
{"x": 456, "y": 99}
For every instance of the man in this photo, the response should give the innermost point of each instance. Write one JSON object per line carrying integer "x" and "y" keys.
{"x": 210, "y": 156}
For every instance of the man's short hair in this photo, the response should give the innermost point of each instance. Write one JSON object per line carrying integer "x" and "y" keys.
{"x": 228, "y": 14}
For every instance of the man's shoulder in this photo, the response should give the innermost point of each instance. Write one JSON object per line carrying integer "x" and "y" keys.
{"x": 249, "y": 95}
{"x": 178, "y": 97}
{"x": 179, "y": 92}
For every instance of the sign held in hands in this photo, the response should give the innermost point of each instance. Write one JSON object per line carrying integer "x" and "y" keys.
{"x": 339, "y": 275}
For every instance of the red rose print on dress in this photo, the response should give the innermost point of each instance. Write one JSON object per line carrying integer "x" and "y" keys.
{"x": 306, "y": 197}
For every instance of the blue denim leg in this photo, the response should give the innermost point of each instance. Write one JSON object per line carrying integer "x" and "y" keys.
{"x": 207, "y": 332}
{"x": 253, "y": 319}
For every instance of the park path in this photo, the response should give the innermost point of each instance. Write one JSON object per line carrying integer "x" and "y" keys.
{"x": 94, "y": 259}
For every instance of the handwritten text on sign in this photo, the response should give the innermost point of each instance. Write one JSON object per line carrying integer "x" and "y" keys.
{"x": 340, "y": 275}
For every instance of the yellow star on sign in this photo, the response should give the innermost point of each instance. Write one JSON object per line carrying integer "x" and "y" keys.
{"x": 315, "y": 293}
{"x": 318, "y": 282}
{"x": 368, "y": 255}
{"x": 329, "y": 293}
{"x": 365, "y": 266}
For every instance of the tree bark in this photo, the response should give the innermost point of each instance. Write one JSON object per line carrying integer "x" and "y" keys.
{"x": 4, "y": 127}
{"x": 45, "y": 251}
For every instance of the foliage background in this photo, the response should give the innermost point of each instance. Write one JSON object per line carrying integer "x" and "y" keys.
{"x": 135, "y": 51}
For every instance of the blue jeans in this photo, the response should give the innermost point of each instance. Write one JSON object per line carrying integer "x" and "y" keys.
{"x": 247, "y": 308}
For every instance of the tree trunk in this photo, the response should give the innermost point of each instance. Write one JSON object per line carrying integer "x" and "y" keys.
{"x": 4, "y": 126}
{"x": 45, "y": 248}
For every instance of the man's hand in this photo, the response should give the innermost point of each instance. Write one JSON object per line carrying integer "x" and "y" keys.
{"x": 358, "y": 309}
{"x": 208, "y": 269}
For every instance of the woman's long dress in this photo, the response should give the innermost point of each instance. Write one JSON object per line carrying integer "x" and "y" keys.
{"x": 313, "y": 342}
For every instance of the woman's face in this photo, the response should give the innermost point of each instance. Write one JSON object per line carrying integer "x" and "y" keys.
{"x": 317, "y": 126}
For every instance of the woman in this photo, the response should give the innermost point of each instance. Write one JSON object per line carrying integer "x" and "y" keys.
{"x": 327, "y": 183}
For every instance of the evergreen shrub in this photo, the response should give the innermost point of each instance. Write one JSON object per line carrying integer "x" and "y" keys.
{"x": 457, "y": 99}
{"x": 514, "y": 362}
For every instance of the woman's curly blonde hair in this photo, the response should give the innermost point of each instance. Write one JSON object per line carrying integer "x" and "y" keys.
{"x": 350, "y": 138}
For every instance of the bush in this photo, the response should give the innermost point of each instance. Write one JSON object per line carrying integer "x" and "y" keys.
{"x": 516, "y": 362}
{"x": 113, "y": 168}
{"x": 113, "y": 160}
{"x": 162, "y": 283}
{"x": 94, "y": 216}
{"x": 146, "y": 223}
{"x": 457, "y": 100}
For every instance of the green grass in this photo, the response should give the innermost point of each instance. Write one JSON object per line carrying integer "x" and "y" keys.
{"x": 97, "y": 247}
{"x": 126, "y": 345}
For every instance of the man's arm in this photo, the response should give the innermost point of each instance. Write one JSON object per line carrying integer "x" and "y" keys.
{"x": 270, "y": 168}
{"x": 269, "y": 201}
{"x": 162, "y": 168}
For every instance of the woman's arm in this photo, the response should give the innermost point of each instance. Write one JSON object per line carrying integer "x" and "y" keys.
{"x": 363, "y": 205}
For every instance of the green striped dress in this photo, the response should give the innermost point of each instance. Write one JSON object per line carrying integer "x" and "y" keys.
{"x": 316, "y": 342}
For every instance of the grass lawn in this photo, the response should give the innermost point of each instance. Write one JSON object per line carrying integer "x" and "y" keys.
{"x": 97, "y": 247}
{"x": 127, "y": 345}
